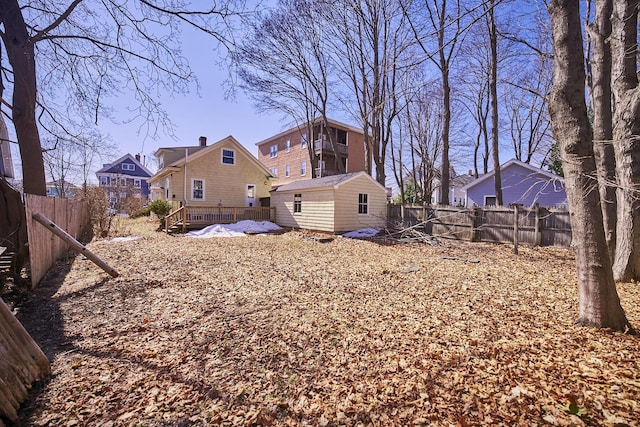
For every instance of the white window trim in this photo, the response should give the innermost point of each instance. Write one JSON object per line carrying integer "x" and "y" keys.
{"x": 273, "y": 153}
{"x": 193, "y": 182}
{"x": 303, "y": 171}
{"x": 365, "y": 204}
{"x": 303, "y": 142}
{"x": 287, "y": 171}
{"x": 287, "y": 146}
{"x": 137, "y": 183}
{"x": 129, "y": 166}
{"x": 487, "y": 196}
{"x": 222, "y": 156}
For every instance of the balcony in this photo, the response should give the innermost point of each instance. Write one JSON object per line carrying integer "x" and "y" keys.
{"x": 324, "y": 145}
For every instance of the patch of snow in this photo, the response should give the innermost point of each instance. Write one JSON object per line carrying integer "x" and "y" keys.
{"x": 234, "y": 230}
{"x": 363, "y": 232}
{"x": 124, "y": 239}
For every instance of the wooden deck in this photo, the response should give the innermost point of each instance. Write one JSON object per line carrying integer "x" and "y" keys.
{"x": 196, "y": 217}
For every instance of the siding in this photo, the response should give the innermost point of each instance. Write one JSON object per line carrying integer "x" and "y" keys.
{"x": 224, "y": 184}
{"x": 317, "y": 211}
{"x": 332, "y": 210}
{"x": 520, "y": 185}
{"x": 346, "y": 201}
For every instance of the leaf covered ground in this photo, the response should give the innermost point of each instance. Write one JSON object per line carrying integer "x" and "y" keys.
{"x": 287, "y": 330}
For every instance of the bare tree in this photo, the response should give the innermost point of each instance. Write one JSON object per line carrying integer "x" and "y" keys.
{"x": 371, "y": 46}
{"x": 626, "y": 137}
{"x": 599, "y": 81}
{"x": 527, "y": 109}
{"x": 474, "y": 93}
{"x": 599, "y": 304}
{"x": 444, "y": 20}
{"x": 285, "y": 64}
{"x": 87, "y": 51}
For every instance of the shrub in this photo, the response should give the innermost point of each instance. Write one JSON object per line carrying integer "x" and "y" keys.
{"x": 160, "y": 207}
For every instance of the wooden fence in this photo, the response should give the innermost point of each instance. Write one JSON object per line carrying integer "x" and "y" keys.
{"x": 44, "y": 247}
{"x": 536, "y": 226}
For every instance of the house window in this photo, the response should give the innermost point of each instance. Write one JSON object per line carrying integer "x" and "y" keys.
{"x": 104, "y": 180}
{"x": 363, "y": 204}
{"x": 274, "y": 171}
{"x": 228, "y": 157}
{"x": 128, "y": 167}
{"x": 136, "y": 183}
{"x": 287, "y": 171}
{"x": 303, "y": 168}
{"x": 297, "y": 203}
{"x": 197, "y": 189}
{"x": 123, "y": 196}
{"x": 490, "y": 200}
{"x": 288, "y": 145}
{"x": 303, "y": 141}
{"x": 123, "y": 182}
{"x": 273, "y": 151}
{"x": 161, "y": 162}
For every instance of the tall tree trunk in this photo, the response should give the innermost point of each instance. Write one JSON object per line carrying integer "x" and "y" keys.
{"x": 600, "y": 63}
{"x": 599, "y": 305}
{"x": 493, "y": 89}
{"x": 626, "y": 132}
{"x": 446, "y": 104}
{"x": 21, "y": 57}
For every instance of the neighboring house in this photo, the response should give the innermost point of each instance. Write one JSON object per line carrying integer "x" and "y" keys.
{"x": 222, "y": 174}
{"x": 337, "y": 203}
{"x": 457, "y": 197}
{"x": 61, "y": 188}
{"x": 286, "y": 155}
{"x": 521, "y": 183}
{"x": 125, "y": 177}
{"x": 6, "y": 164}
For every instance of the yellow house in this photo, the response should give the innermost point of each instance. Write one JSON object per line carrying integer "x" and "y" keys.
{"x": 337, "y": 203}
{"x": 222, "y": 174}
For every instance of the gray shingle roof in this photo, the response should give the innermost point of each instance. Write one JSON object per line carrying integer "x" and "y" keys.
{"x": 326, "y": 181}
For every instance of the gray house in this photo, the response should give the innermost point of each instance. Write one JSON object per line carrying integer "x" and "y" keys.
{"x": 521, "y": 183}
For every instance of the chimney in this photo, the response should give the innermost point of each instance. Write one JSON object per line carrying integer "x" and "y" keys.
{"x": 203, "y": 141}
{"x": 470, "y": 172}
{"x": 138, "y": 157}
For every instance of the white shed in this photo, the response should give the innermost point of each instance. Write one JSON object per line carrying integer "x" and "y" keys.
{"x": 336, "y": 204}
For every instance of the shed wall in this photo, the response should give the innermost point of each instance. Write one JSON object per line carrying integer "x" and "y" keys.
{"x": 346, "y": 205}
{"x": 317, "y": 211}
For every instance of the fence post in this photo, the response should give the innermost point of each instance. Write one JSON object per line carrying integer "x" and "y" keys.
{"x": 537, "y": 227}
{"x": 516, "y": 207}
{"x": 475, "y": 215}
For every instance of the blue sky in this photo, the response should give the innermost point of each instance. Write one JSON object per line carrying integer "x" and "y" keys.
{"x": 205, "y": 114}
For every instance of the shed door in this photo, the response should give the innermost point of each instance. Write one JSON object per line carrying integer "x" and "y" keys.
{"x": 251, "y": 195}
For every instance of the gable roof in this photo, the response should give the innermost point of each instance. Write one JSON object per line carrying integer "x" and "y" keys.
{"x": 302, "y": 126}
{"x": 326, "y": 182}
{"x": 512, "y": 162}
{"x": 113, "y": 166}
{"x": 203, "y": 151}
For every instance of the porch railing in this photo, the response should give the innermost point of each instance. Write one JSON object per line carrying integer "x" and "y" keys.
{"x": 202, "y": 216}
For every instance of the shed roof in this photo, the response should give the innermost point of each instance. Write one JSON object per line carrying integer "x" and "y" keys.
{"x": 333, "y": 182}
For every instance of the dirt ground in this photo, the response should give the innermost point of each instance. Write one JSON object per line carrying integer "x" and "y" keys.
{"x": 287, "y": 330}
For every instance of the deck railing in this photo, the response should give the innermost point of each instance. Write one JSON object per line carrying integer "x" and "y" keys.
{"x": 202, "y": 216}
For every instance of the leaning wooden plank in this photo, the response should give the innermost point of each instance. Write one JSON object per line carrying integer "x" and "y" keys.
{"x": 74, "y": 243}
{"x": 21, "y": 363}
